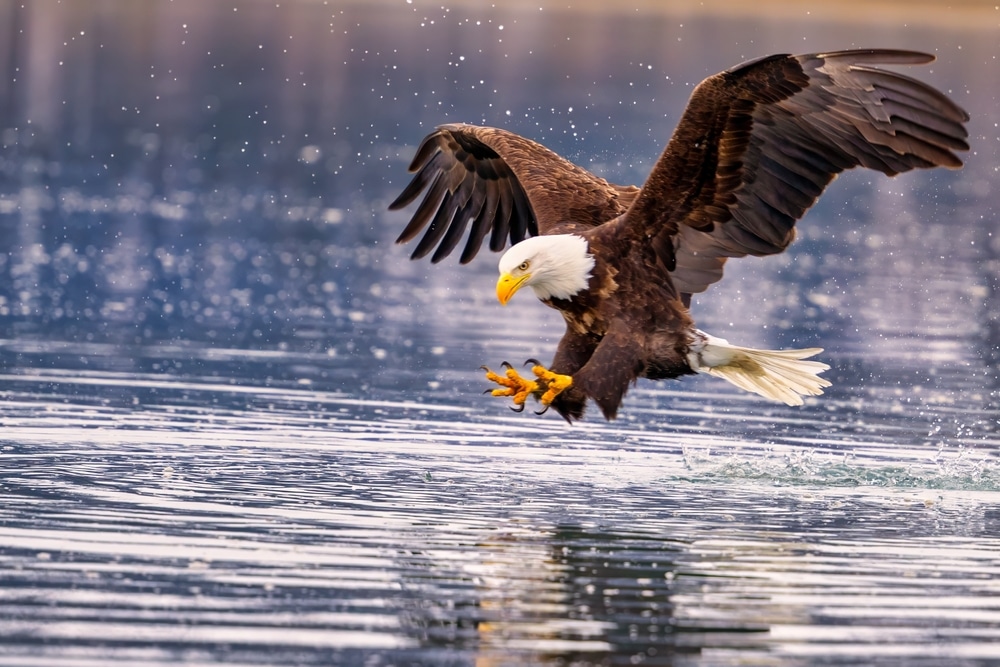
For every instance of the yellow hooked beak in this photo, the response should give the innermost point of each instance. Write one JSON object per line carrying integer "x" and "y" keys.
{"x": 508, "y": 284}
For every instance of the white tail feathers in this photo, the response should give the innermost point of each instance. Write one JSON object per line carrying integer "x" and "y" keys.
{"x": 780, "y": 375}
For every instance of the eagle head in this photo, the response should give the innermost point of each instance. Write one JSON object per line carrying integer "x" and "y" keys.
{"x": 555, "y": 267}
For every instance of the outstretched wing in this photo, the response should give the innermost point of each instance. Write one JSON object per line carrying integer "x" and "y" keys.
{"x": 504, "y": 184}
{"x": 758, "y": 144}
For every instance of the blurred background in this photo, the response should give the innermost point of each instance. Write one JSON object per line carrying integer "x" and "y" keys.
{"x": 201, "y": 170}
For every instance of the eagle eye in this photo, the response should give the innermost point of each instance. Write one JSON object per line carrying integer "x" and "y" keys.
{"x": 523, "y": 266}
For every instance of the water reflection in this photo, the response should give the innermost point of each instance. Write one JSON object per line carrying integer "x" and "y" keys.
{"x": 239, "y": 427}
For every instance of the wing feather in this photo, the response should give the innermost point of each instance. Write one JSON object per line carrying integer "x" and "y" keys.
{"x": 756, "y": 147}
{"x": 437, "y": 228}
{"x": 507, "y": 186}
{"x": 468, "y": 211}
{"x": 427, "y": 208}
{"x": 484, "y": 221}
{"x": 505, "y": 208}
{"x": 759, "y": 143}
{"x": 426, "y": 153}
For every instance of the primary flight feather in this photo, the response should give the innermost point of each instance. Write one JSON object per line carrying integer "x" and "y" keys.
{"x": 756, "y": 146}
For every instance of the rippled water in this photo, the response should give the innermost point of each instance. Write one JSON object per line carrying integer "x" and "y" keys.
{"x": 240, "y": 428}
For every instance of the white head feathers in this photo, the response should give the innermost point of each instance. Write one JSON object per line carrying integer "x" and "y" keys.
{"x": 556, "y": 266}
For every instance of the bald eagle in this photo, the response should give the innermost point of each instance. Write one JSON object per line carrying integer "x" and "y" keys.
{"x": 755, "y": 147}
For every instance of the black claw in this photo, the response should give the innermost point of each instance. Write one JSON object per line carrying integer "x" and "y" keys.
{"x": 532, "y": 362}
{"x": 519, "y": 408}
{"x": 488, "y": 391}
{"x": 485, "y": 368}
{"x": 544, "y": 410}
{"x": 506, "y": 364}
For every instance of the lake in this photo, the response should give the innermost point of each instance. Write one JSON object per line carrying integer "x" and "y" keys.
{"x": 241, "y": 427}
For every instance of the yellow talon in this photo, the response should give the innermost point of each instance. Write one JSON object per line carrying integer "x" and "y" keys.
{"x": 545, "y": 389}
{"x": 554, "y": 382}
{"x": 513, "y": 385}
